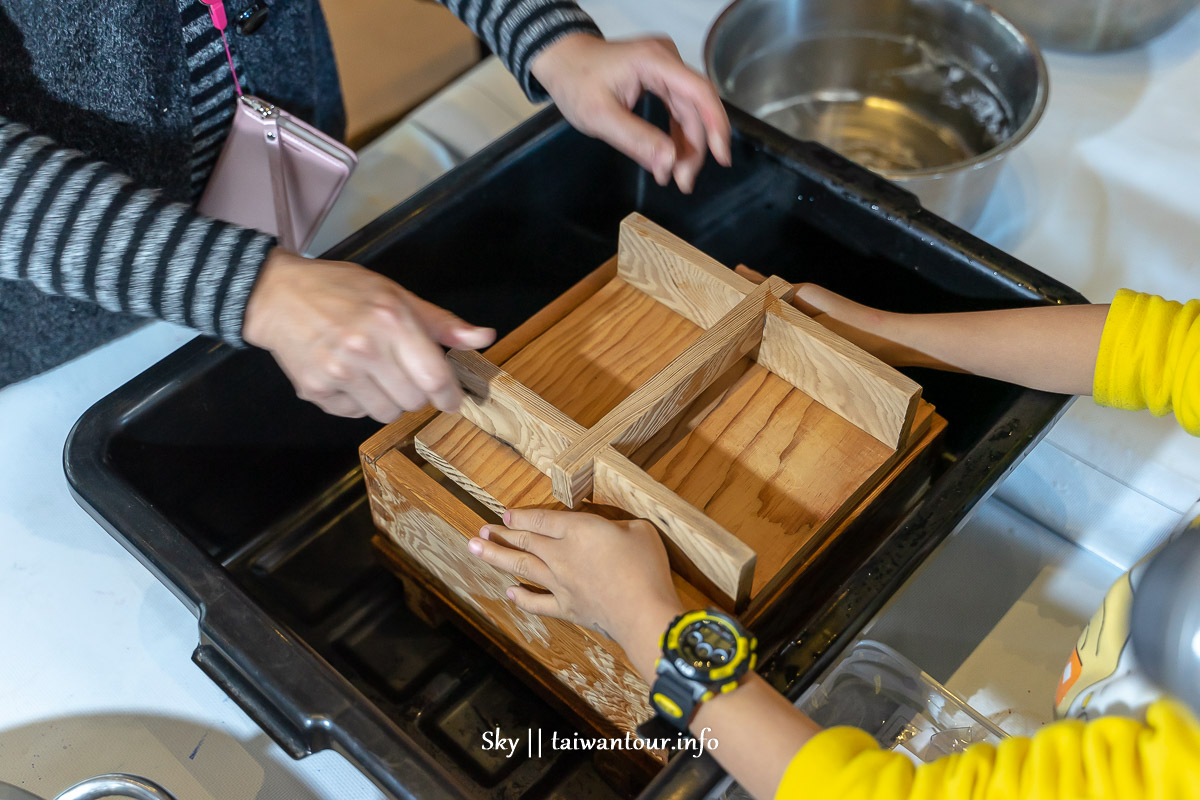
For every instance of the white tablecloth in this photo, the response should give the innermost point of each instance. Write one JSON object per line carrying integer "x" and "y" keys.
{"x": 95, "y": 670}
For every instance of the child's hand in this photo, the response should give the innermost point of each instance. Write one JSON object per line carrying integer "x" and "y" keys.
{"x": 610, "y": 576}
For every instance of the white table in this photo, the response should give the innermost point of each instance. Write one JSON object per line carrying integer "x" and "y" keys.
{"x": 95, "y": 669}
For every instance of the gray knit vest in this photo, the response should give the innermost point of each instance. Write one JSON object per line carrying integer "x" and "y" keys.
{"x": 109, "y": 78}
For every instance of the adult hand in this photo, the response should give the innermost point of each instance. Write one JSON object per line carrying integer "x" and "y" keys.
{"x": 596, "y": 83}
{"x": 610, "y": 576}
{"x": 354, "y": 342}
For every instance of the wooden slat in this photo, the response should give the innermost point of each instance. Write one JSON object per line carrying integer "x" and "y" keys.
{"x": 493, "y": 473}
{"x": 500, "y": 479}
{"x": 503, "y": 407}
{"x": 701, "y": 551}
{"x": 652, "y": 405}
{"x": 839, "y": 375}
{"x": 660, "y": 264}
{"x": 396, "y": 434}
{"x": 587, "y": 361}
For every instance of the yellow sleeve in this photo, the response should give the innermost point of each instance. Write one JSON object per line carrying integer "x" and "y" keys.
{"x": 1150, "y": 357}
{"x": 1108, "y": 759}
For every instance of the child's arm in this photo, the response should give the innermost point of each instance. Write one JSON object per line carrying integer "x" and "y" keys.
{"x": 1053, "y": 348}
{"x": 614, "y": 577}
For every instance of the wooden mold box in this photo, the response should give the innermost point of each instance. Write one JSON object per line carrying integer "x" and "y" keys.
{"x": 667, "y": 387}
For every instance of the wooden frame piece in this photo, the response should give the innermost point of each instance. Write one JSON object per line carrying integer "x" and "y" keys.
{"x": 503, "y": 407}
{"x": 701, "y": 551}
{"x": 641, "y": 415}
{"x": 431, "y": 442}
{"x": 839, "y": 375}
{"x": 676, "y": 274}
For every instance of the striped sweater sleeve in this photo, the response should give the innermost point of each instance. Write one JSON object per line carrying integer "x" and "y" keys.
{"x": 517, "y": 30}
{"x": 74, "y": 226}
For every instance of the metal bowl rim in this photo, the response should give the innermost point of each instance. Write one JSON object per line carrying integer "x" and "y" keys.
{"x": 999, "y": 151}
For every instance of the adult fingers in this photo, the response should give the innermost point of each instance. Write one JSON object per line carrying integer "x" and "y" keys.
{"x": 666, "y": 74}
{"x": 399, "y": 387}
{"x": 424, "y": 362}
{"x": 317, "y": 387}
{"x": 541, "y": 603}
{"x": 448, "y": 329}
{"x": 519, "y": 563}
{"x": 373, "y": 399}
{"x": 646, "y": 144}
{"x": 688, "y": 134}
{"x": 365, "y": 364}
{"x": 340, "y": 404}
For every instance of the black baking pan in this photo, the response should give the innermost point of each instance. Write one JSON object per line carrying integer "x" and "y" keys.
{"x": 249, "y": 505}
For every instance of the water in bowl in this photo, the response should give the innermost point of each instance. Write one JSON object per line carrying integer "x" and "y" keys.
{"x": 892, "y": 103}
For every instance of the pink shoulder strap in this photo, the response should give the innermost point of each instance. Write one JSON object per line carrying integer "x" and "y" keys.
{"x": 216, "y": 10}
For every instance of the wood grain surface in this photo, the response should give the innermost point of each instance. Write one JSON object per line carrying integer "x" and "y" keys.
{"x": 503, "y": 407}
{"x": 701, "y": 551}
{"x": 926, "y": 434}
{"x": 749, "y": 474}
{"x": 584, "y": 364}
{"x": 388, "y": 436}
{"x": 839, "y": 375}
{"x": 773, "y": 467}
{"x": 597, "y": 355}
{"x": 491, "y": 471}
{"x": 665, "y": 267}
{"x": 656, "y": 402}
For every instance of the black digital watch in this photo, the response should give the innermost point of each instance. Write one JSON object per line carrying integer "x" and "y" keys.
{"x": 704, "y": 653}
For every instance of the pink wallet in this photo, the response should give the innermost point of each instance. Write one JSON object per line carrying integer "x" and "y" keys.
{"x": 277, "y": 174}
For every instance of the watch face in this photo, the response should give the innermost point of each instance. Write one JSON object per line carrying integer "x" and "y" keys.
{"x": 707, "y": 644}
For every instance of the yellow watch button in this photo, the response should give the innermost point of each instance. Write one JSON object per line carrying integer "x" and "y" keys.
{"x": 667, "y": 705}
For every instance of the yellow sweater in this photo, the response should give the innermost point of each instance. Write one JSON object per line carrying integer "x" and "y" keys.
{"x": 1108, "y": 759}
{"x": 1150, "y": 357}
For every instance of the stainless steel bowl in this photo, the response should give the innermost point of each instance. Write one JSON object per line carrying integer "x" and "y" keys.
{"x": 1089, "y": 26}
{"x": 929, "y": 93}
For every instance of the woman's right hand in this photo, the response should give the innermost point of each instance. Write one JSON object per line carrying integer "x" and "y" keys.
{"x": 354, "y": 342}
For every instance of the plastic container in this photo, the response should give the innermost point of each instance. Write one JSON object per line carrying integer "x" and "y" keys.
{"x": 874, "y": 688}
{"x": 248, "y": 503}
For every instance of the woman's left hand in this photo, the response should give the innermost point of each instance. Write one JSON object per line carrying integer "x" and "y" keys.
{"x": 610, "y": 576}
{"x": 596, "y": 83}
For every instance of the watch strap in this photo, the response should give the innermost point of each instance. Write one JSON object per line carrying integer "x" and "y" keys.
{"x": 676, "y": 698}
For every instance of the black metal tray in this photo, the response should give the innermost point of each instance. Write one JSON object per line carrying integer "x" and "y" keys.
{"x": 249, "y": 505}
